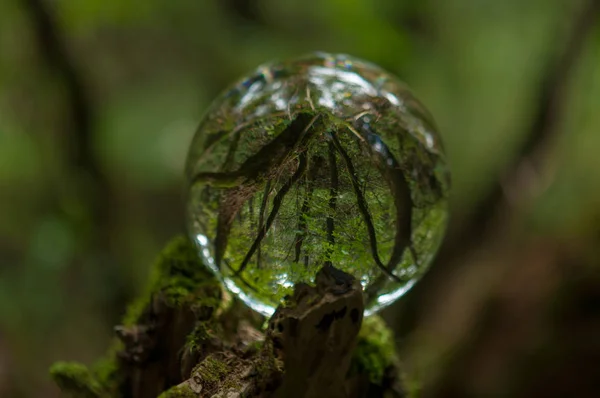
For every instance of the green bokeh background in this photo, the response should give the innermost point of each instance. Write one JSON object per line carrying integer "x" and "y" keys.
{"x": 152, "y": 67}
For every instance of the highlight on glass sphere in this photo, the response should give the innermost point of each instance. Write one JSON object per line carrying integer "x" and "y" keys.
{"x": 319, "y": 161}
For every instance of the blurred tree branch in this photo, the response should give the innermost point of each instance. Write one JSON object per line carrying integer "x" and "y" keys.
{"x": 513, "y": 317}
{"x": 488, "y": 227}
{"x": 527, "y": 167}
{"x": 246, "y": 10}
{"x": 82, "y": 160}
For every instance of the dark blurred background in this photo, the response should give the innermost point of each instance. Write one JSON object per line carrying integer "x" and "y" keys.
{"x": 100, "y": 98}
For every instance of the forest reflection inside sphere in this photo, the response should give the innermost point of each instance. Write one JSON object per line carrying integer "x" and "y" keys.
{"x": 321, "y": 161}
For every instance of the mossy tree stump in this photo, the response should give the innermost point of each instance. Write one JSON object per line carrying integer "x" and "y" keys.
{"x": 186, "y": 337}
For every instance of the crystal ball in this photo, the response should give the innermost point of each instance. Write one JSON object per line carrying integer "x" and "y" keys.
{"x": 324, "y": 160}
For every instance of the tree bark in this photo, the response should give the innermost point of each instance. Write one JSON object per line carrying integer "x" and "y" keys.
{"x": 186, "y": 337}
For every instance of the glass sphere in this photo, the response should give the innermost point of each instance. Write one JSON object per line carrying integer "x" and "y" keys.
{"x": 323, "y": 160}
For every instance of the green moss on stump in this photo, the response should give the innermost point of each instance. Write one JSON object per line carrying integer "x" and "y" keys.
{"x": 375, "y": 350}
{"x": 75, "y": 380}
{"x": 182, "y": 391}
{"x": 106, "y": 369}
{"x": 182, "y": 279}
{"x": 267, "y": 367}
{"x": 211, "y": 370}
{"x": 203, "y": 332}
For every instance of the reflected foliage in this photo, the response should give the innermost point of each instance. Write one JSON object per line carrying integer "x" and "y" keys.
{"x": 320, "y": 161}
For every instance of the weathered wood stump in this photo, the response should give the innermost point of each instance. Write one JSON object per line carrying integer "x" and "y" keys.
{"x": 186, "y": 337}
